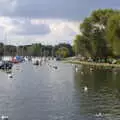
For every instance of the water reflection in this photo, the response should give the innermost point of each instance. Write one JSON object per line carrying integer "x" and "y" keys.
{"x": 44, "y": 93}
{"x": 103, "y": 94}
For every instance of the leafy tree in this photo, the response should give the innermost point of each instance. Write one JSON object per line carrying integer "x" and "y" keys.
{"x": 62, "y": 52}
{"x": 35, "y": 50}
{"x": 81, "y": 45}
{"x": 93, "y": 41}
{"x": 101, "y": 16}
{"x": 113, "y": 33}
{"x": 68, "y": 46}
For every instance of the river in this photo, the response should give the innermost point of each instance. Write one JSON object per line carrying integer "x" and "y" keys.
{"x": 43, "y": 93}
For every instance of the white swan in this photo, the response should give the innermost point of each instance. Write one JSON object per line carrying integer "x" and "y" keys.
{"x": 99, "y": 114}
{"x": 85, "y": 89}
{"x": 91, "y": 69}
{"x": 76, "y": 69}
{"x": 10, "y": 75}
{"x": 82, "y": 73}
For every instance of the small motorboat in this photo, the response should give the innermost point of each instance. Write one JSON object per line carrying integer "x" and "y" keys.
{"x": 6, "y": 65}
{"x": 55, "y": 67}
{"x": 36, "y": 62}
{"x": 3, "y": 117}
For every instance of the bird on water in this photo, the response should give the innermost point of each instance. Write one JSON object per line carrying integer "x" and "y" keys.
{"x": 85, "y": 89}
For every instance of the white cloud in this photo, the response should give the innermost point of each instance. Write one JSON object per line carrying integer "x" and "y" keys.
{"x": 46, "y": 21}
{"x": 28, "y": 21}
{"x": 27, "y": 31}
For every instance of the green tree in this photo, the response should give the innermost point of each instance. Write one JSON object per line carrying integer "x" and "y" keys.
{"x": 36, "y": 49}
{"x": 113, "y": 33}
{"x": 101, "y": 16}
{"x": 81, "y": 46}
{"x": 1, "y": 49}
{"x": 68, "y": 46}
{"x": 62, "y": 52}
{"x": 92, "y": 41}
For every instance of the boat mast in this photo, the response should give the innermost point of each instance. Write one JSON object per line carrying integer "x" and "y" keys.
{"x": 4, "y": 50}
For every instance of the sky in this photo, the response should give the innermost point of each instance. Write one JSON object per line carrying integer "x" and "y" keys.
{"x": 45, "y": 21}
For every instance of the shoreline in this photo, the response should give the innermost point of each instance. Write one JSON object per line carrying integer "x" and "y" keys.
{"x": 93, "y": 63}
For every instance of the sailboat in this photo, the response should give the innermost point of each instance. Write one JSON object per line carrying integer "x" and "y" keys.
{"x": 5, "y": 64}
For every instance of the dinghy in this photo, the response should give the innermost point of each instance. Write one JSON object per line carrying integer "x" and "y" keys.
{"x": 4, "y": 117}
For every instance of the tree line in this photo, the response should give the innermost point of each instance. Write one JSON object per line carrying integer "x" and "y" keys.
{"x": 61, "y": 50}
{"x": 99, "y": 35}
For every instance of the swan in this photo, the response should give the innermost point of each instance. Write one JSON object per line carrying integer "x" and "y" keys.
{"x": 76, "y": 69}
{"x": 10, "y": 75}
{"x": 85, "y": 89}
{"x": 99, "y": 114}
{"x": 82, "y": 73}
{"x": 91, "y": 69}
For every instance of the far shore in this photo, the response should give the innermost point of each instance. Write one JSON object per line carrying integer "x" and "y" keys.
{"x": 93, "y": 63}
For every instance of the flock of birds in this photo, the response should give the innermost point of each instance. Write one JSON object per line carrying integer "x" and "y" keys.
{"x": 82, "y": 73}
{"x": 85, "y": 89}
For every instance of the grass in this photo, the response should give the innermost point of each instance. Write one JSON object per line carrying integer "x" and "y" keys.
{"x": 92, "y": 63}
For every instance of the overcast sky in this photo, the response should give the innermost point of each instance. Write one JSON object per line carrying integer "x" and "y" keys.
{"x": 45, "y": 21}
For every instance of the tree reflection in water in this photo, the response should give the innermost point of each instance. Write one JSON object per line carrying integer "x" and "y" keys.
{"x": 103, "y": 94}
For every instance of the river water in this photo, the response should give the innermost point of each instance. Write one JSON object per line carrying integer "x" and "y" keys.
{"x": 43, "y": 93}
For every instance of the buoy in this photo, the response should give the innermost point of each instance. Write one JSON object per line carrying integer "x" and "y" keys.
{"x": 4, "y": 117}
{"x": 85, "y": 89}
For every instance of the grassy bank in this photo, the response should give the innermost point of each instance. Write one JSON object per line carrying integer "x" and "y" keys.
{"x": 92, "y": 63}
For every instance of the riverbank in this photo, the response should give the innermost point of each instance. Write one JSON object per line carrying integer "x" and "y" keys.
{"x": 92, "y": 63}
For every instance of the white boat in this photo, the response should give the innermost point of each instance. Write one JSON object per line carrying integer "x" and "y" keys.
{"x": 3, "y": 117}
